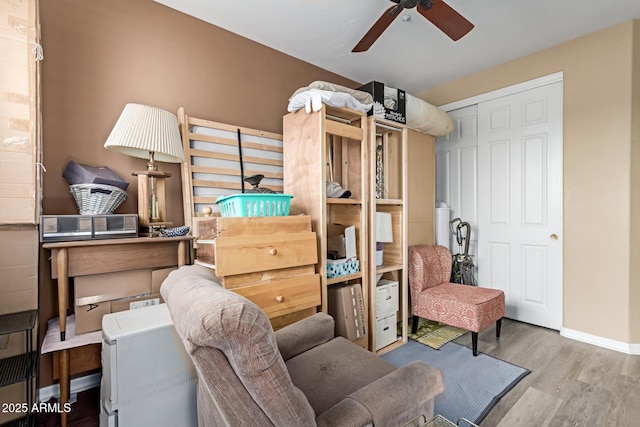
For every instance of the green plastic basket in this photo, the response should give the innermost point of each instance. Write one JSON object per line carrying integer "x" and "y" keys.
{"x": 255, "y": 204}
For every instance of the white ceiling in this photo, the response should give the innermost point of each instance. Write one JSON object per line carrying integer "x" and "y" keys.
{"x": 412, "y": 55}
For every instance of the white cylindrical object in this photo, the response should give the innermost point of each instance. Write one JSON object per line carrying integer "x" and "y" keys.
{"x": 442, "y": 227}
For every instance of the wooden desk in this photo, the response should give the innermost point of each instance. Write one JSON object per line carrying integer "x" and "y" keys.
{"x": 82, "y": 258}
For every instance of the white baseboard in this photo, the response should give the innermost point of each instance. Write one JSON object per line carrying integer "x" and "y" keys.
{"x": 622, "y": 347}
{"x": 77, "y": 385}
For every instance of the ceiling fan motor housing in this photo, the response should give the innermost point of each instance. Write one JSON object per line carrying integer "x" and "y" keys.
{"x": 410, "y": 4}
{"x": 426, "y": 4}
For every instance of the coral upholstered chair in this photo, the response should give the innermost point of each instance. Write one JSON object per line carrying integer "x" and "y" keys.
{"x": 434, "y": 297}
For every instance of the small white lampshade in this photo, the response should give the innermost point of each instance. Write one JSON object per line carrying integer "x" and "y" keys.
{"x": 142, "y": 129}
{"x": 384, "y": 232}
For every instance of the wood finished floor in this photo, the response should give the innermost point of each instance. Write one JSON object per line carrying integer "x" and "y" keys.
{"x": 571, "y": 383}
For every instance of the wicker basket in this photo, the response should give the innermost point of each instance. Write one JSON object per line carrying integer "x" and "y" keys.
{"x": 97, "y": 199}
{"x": 255, "y": 204}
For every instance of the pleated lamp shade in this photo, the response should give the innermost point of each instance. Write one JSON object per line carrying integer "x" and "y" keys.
{"x": 384, "y": 232}
{"x": 141, "y": 130}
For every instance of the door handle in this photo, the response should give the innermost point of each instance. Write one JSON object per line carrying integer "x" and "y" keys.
{"x": 553, "y": 236}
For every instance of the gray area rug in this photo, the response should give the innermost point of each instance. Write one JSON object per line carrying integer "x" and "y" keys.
{"x": 473, "y": 385}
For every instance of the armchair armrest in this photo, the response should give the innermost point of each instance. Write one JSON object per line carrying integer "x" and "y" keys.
{"x": 394, "y": 399}
{"x": 305, "y": 334}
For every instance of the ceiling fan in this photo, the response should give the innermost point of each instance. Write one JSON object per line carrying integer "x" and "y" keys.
{"x": 438, "y": 12}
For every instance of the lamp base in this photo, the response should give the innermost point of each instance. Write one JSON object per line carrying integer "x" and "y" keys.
{"x": 379, "y": 254}
{"x": 152, "y": 205}
{"x": 379, "y": 258}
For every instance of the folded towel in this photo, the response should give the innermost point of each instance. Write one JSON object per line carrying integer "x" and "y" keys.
{"x": 360, "y": 95}
{"x": 312, "y": 100}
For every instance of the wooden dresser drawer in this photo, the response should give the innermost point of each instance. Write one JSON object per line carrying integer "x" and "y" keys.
{"x": 248, "y": 254}
{"x": 285, "y": 296}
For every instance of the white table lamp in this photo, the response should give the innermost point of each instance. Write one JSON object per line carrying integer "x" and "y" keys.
{"x": 148, "y": 133}
{"x": 384, "y": 234}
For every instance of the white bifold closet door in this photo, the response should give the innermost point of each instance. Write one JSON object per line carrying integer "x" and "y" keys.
{"x": 500, "y": 169}
{"x": 457, "y": 174}
{"x": 520, "y": 202}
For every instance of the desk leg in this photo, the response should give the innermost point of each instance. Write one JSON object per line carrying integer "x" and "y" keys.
{"x": 62, "y": 261}
{"x": 182, "y": 250}
{"x": 64, "y": 385}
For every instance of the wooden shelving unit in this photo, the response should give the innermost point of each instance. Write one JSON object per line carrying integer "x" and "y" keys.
{"x": 387, "y": 142}
{"x": 330, "y": 145}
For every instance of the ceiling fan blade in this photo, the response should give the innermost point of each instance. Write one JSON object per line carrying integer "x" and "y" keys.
{"x": 446, "y": 19}
{"x": 378, "y": 28}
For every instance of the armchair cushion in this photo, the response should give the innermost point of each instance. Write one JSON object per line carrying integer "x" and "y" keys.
{"x": 317, "y": 372}
{"x": 399, "y": 395}
{"x": 468, "y": 307}
{"x": 414, "y": 385}
{"x": 305, "y": 334}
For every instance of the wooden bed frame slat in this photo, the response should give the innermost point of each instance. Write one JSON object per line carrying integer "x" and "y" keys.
{"x": 189, "y": 184}
{"x": 231, "y": 128}
{"x": 223, "y": 156}
{"x": 205, "y": 183}
{"x": 233, "y": 142}
{"x": 233, "y": 172}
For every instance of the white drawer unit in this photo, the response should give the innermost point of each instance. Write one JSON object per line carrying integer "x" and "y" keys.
{"x": 386, "y": 330}
{"x": 148, "y": 378}
{"x": 386, "y": 298}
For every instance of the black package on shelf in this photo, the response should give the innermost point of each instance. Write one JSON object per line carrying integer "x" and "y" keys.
{"x": 78, "y": 173}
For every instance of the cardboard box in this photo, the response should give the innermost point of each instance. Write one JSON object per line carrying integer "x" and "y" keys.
{"x": 345, "y": 246}
{"x": 386, "y": 298}
{"x": 158, "y": 276}
{"x": 342, "y": 267}
{"x": 19, "y": 249}
{"x": 110, "y": 286}
{"x": 19, "y": 145}
{"x": 94, "y": 295}
{"x": 346, "y": 306}
{"x": 19, "y": 186}
{"x": 89, "y": 317}
{"x": 382, "y": 98}
{"x": 136, "y": 302}
{"x": 386, "y": 331}
{"x": 14, "y": 393}
{"x": 15, "y": 344}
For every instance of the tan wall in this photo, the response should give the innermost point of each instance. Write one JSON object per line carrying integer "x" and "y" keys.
{"x": 597, "y": 171}
{"x": 634, "y": 300}
{"x": 102, "y": 54}
{"x": 421, "y": 188}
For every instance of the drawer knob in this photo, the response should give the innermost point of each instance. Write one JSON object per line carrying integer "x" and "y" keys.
{"x": 273, "y": 251}
{"x": 280, "y": 298}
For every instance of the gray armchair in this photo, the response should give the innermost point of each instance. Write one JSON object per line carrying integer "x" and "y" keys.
{"x": 300, "y": 375}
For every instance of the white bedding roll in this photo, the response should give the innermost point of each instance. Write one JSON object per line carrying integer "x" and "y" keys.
{"x": 427, "y": 118}
{"x": 422, "y": 116}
